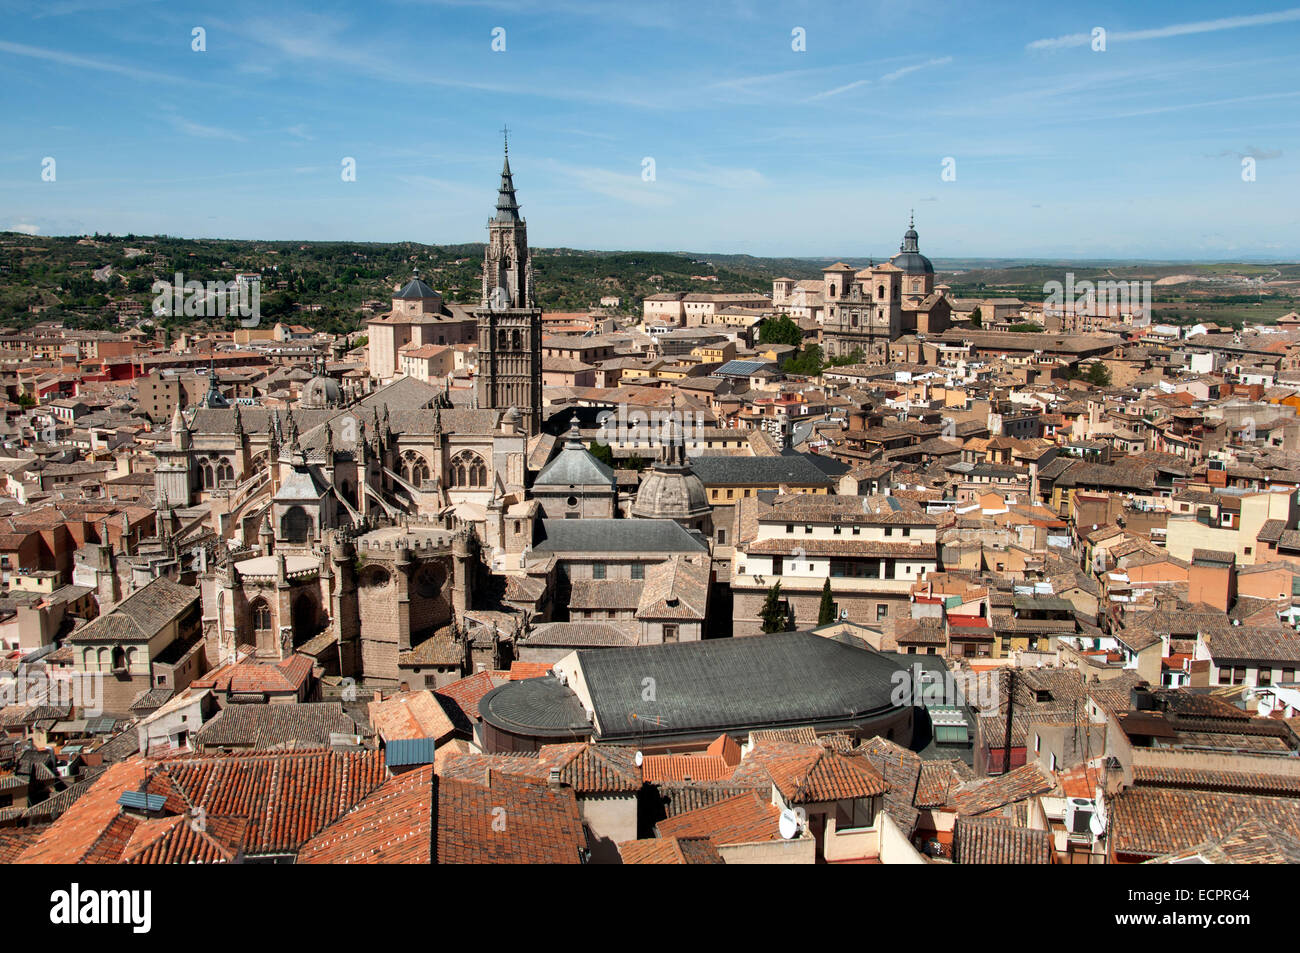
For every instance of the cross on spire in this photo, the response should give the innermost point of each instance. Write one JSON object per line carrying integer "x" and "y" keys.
{"x": 505, "y": 135}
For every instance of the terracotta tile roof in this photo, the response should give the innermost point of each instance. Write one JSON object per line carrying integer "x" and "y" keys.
{"x": 985, "y": 841}
{"x": 902, "y": 770}
{"x": 670, "y": 850}
{"x": 806, "y": 775}
{"x": 467, "y": 692}
{"x": 1254, "y": 842}
{"x": 593, "y": 769}
{"x": 939, "y": 780}
{"x": 1241, "y": 782}
{"x": 508, "y": 820}
{"x": 263, "y": 727}
{"x": 15, "y": 840}
{"x": 71, "y": 838}
{"x": 684, "y": 767}
{"x": 183, "y": 840}
{"x": 726, "y": 748}
{"x": 1150, "y": 821}
{"x": 522, "y": 670}
{"x": 393, "y": 825}
{"x": 586, "y": 768}
{"x": 141, "y": 615}
{"x": 251, "y": 677}
{"x": 746, "y": 819}
{"x": 991, "y": 794}
{"x": 679, "y": 798}
{"x": 410, "y": 715}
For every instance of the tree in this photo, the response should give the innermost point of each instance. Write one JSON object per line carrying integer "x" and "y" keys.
{"x": 976, "y": 319}
{"x": 807, "y": 362}
{"x": 826, "y": 611}
{"x": 781, "y": 330}
{"x": 602, "y": 452}
{"x": 776, "y": 618}
{"x": 1099, "y": 374}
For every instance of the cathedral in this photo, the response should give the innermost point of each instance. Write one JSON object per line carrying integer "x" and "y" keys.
{"x": 384, "y": 505}
{"x": 867, "y": 309}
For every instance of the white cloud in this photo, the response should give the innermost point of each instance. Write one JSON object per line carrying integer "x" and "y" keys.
{"x": 1176, "y": 29}
{"x": 23, "y": 229}
{"x": 900, "y": 73}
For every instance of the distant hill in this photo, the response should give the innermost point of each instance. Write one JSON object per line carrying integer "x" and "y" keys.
{"x": 335, "y": 278}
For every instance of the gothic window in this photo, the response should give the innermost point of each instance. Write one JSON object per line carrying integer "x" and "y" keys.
{"x": 296, "y": 525}
{"x": 514, "y": 340}
{"x": 261, "y": 615}
{"x": 205, "y": 470}
{"x": 505, "y": 263}
{"x": 501, "y": 340}
{"x": 468, "y": 470}
{"x": 225, "y": 471}
{"x": 880, "y": 292}
{"x": 415, "y": 470}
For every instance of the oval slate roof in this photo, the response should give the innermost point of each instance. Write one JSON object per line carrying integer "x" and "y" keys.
{"x": 535, "y": 706}
{"x": 789, "y": 678}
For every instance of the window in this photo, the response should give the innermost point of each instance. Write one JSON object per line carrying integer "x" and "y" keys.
{"x": 856, "y": 813}
{"x": 789, "y": 527}
{"x": 836, "y": 530}
{"x": 261, "y": 615}
{"x": 778, "y": 565}
{"x": 415, "y": 470}
{"x": 638, "y": 570}
{"x": 597, "y": 570}
{"x": 468, "y": 470}
{"x": 722, "y": 537}
{"x": 670, "y": 633}
{"x": 1265, "y": 677}
{"x": 1238, "y": 674}
{"x": 882, "y": 611}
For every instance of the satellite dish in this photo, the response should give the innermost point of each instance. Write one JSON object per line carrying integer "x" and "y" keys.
{"x": 639, "y": 758}
{"x": 789, "y": 824}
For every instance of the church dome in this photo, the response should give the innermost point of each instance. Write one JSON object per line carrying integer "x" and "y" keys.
{"x": 909, "y": 258}
{"x": 574, "y": 465}
{"x": 321, "y": 393}
{"x": 671, "y": 493}
{"x": 416, "y": 290}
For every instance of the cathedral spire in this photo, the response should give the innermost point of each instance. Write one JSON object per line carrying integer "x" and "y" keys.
{"x": 507, "y": 204}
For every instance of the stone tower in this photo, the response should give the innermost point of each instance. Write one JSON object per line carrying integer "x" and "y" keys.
{"x": 509, "y": 323}
{"x": 174, "y": 474}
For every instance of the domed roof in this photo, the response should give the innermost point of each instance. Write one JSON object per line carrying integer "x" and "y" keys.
{"x": 909, "y": 257}
{"x": 574, "y": 465}
{"x": 671, "y": 493}
{"x": 416, "y": 289}
{"x": 321, "y": 393}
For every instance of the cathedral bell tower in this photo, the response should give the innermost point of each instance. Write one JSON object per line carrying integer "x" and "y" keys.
{"x": 509, "y": 323}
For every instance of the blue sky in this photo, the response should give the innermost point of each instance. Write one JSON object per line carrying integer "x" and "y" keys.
{"x": 1060, "y": 150}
